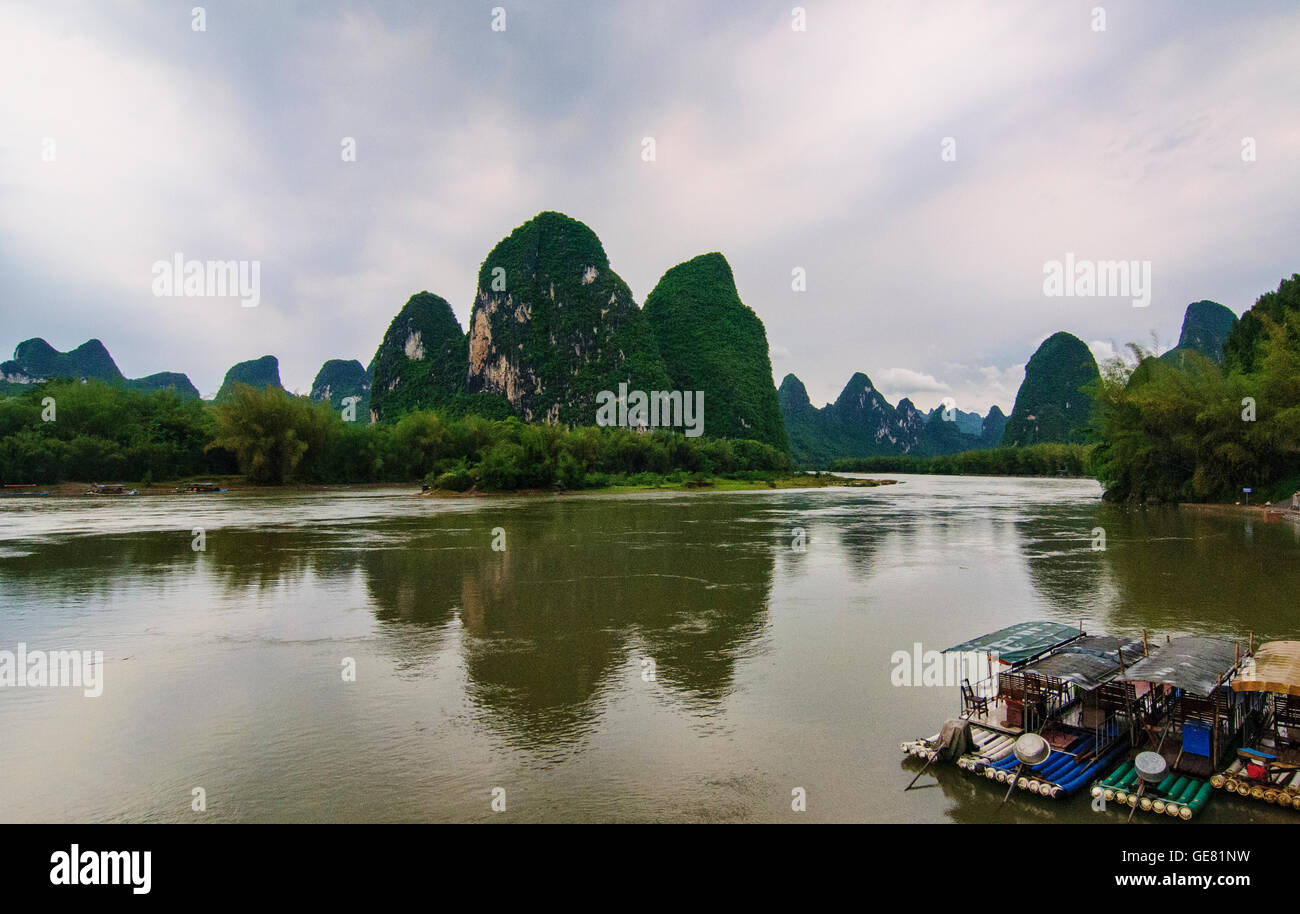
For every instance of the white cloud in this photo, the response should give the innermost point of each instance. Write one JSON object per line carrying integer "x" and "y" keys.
{"x": 817, "y": 149}
{"x": 1102, "y": 350}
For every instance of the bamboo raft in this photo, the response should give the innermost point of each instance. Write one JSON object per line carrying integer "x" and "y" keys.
{"x": 1282, "y": 790}
{"x": 1063, "y": 774}
{"x": 1048, "y": 688}
{"x": 1182, "y": 711}
{"x": 1177, "y": 795}
{"x": 1062, "y": 710}
{"x": 1268, "y": 768}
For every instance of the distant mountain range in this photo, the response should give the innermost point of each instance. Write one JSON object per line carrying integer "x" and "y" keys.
{"x": 552, "y": 326}
{"x": 862, "y": 423}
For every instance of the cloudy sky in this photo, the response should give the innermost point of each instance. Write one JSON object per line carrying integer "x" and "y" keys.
{"x": 820, "y": 149}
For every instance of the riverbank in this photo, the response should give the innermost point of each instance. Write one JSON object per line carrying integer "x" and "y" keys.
{"x": 1266, "y": 513}
{"x": 713, "y": 484}
{"x": 235, "y": 485}
{"x": 232, "y": 484}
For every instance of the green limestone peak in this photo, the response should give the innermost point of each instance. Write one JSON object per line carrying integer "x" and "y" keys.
{"x": 1206, "y": 325}
{"x": 792, "y": 395}
{"x": 164, "y": 379}
{"x": 859, "y": 393}
{"x": 993, "y": 427}
{"x": 1052, "y": 405}
{"x": 259, "y": 373}
{"x": 552, "y": 325}
{"x": 339, "y": 379}
{"x": 36, "y": 360}
{"x": 420, "y": 364}
{"x": 713, "y": 342}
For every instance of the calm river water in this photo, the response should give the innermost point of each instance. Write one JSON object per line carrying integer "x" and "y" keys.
{"x": 662, "y": 657}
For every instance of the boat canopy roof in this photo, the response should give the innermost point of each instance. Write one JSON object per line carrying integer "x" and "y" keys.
{"x": 1088, "y": 661}
{"x": 1275, "y": 667}
{"x": 1193, "y": 664}
{"x": 1020, "y": 642}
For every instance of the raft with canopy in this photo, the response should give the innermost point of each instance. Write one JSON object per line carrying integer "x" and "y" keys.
{"x": 1055, "y": 697}
{"x": 1267, "y": 766}
{"x": 1181, "y": 709}
{"x": 1038, "y": 680}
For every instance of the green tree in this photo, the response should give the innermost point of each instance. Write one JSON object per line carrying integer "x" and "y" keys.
{"x": 270, "y": 431}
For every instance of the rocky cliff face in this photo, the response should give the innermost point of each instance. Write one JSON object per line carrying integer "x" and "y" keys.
{"x": 342, "y": 378}
{"x": 1051, "y": 405}
{"x": 910, "y": 427}
{"x": 711, "y": 341}
{"x": 259, "y": 373}
{"x": 420, "y": 364}
{"x": 553, "y": 325}
{"x": 36, "y": 360}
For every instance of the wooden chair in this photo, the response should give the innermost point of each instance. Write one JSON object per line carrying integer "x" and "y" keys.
{"x": 972, "y": 703}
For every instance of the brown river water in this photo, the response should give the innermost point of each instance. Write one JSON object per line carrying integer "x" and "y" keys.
{"x": 661, "y": 657}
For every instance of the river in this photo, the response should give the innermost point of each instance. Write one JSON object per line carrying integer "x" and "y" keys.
{"x": 362, "y": 655}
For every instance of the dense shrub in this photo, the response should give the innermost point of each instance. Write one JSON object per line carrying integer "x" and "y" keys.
{"x": 104, "y": 432}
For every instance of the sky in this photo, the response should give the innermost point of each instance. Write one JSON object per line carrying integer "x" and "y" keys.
{"x": 921, "y": 163}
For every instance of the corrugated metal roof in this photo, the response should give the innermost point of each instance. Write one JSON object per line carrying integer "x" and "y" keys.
{"x": 1274, "y": 668}
{"x": 1088, "y": 661}
{"x": 1194, "y": 664}
{"x": 1019, "y": 642}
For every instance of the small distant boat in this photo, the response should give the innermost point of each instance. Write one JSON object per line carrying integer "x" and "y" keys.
{"x": 1267, "y": 766}
{"x": 204, "y": 488}
{"x": 102, "y": 488}
{"x": 22, "y": 485}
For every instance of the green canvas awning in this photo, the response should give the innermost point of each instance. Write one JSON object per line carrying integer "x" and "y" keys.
{"x": 1020, "y": 642}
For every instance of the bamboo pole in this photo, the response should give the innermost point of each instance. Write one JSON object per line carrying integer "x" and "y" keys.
{"x": 1012, "y": 785}
{"x": 932, "y": 760}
